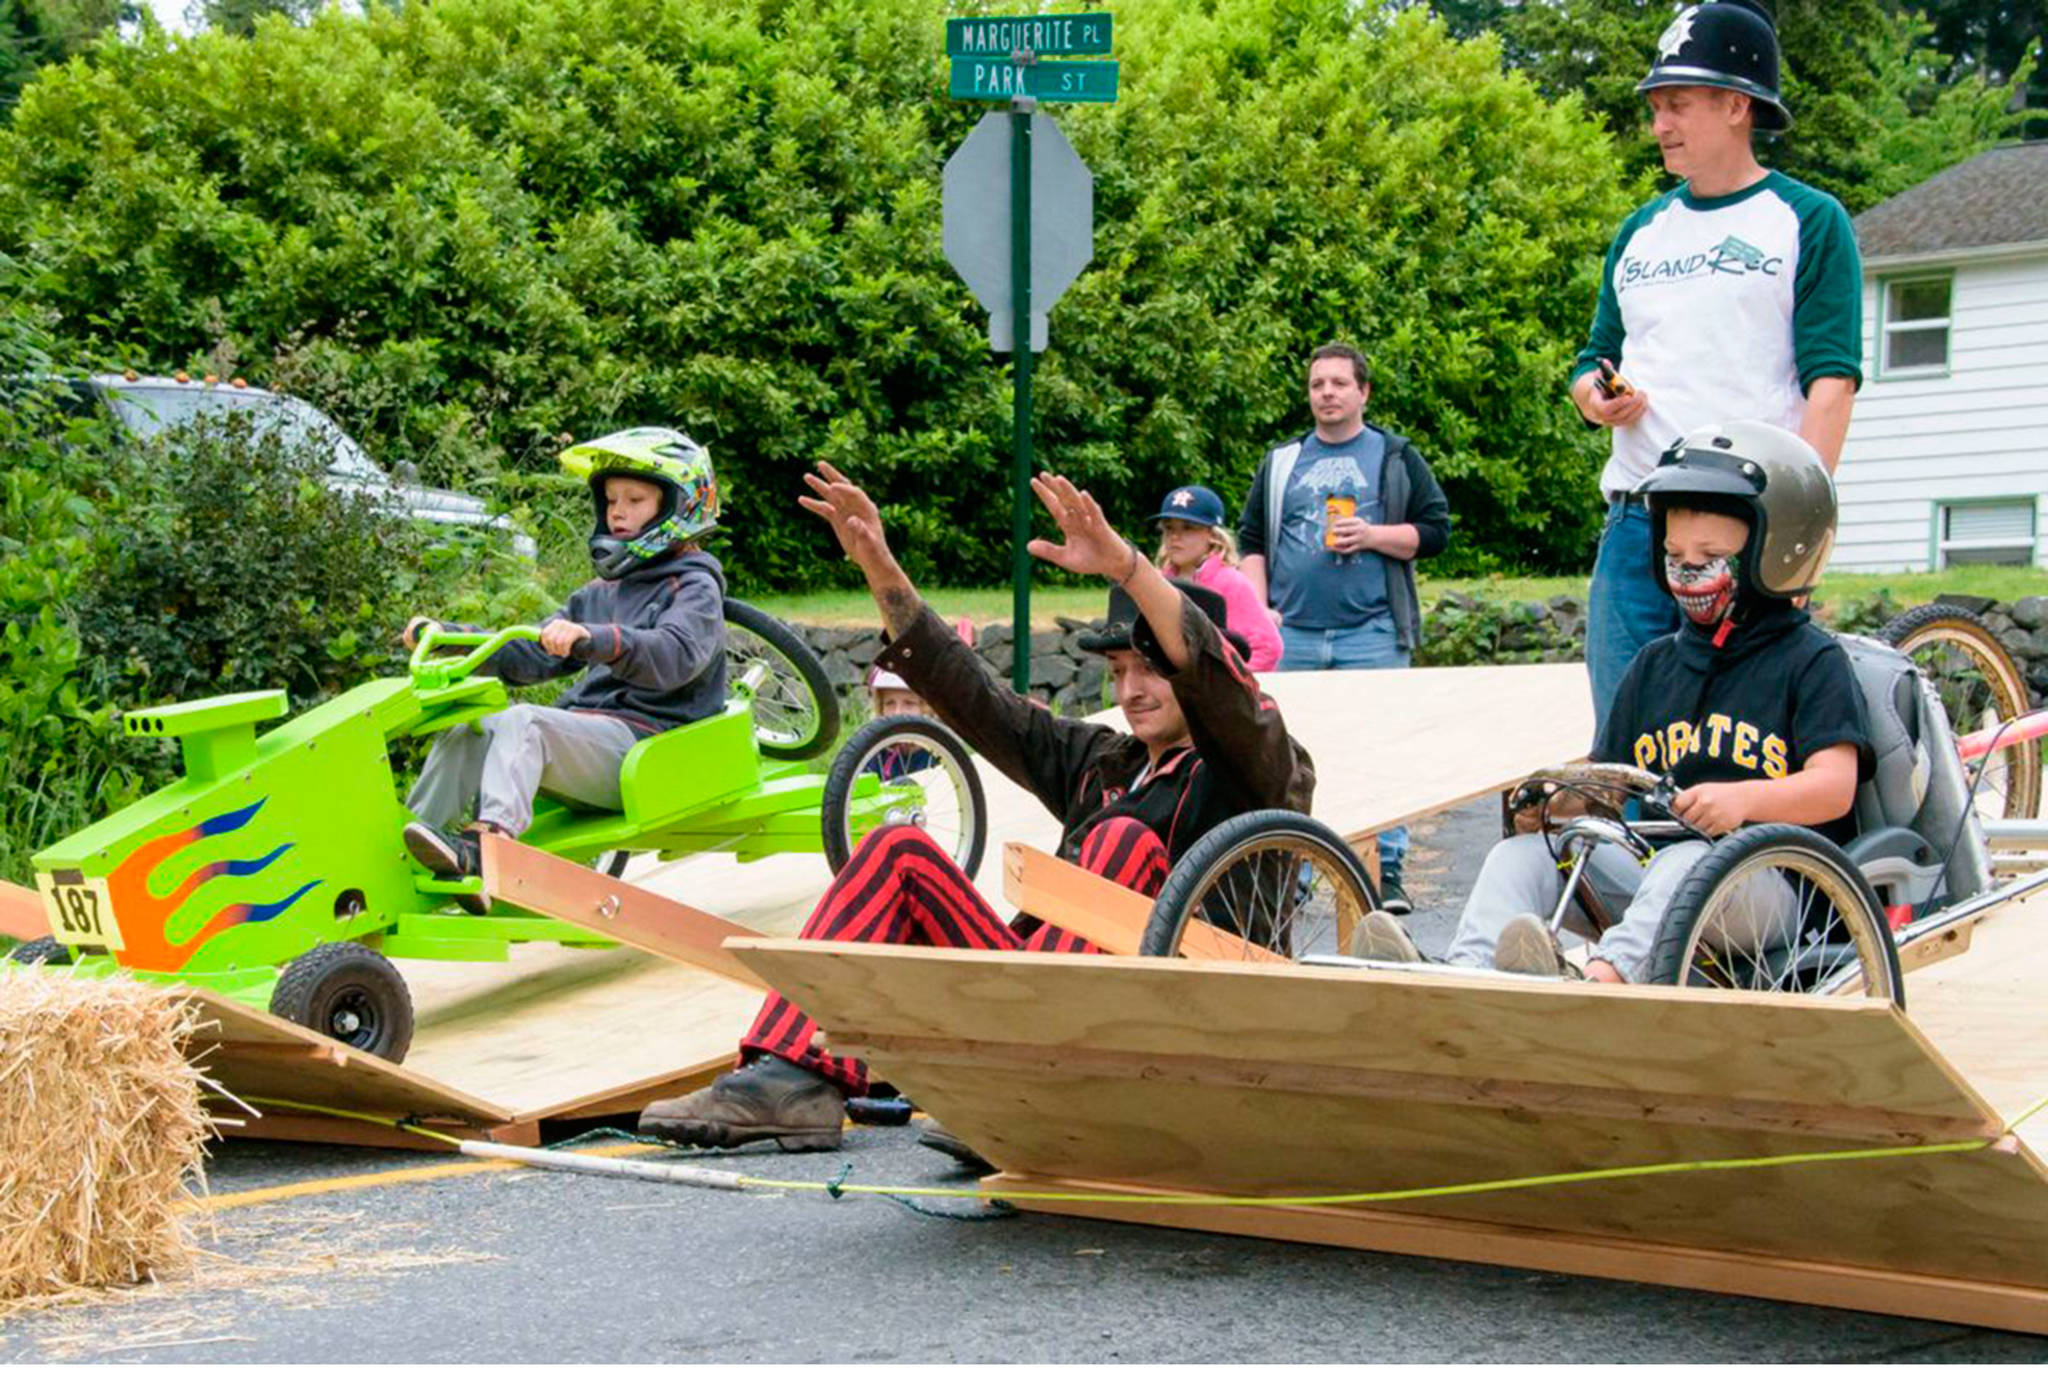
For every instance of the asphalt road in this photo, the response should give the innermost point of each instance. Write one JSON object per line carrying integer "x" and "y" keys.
{"x": 549, "y": 1268}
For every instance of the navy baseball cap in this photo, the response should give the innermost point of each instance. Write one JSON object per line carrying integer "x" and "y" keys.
{"x": 1196, "y": 504}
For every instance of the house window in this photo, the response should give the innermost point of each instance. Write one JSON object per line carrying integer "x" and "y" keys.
{"x": 1992, "y": 531}
{"x": 1916, "y": 326}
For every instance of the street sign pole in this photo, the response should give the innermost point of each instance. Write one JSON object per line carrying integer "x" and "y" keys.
{"x": 1020, "y": 293}
{"x": 1001, "y": 59}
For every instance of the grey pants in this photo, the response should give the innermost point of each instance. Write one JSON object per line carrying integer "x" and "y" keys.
{"x": 1521, "y": 876}
{"x": 503, "y": 760}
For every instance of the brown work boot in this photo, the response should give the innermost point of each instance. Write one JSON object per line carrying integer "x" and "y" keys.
{"x": 766, "y": 1098}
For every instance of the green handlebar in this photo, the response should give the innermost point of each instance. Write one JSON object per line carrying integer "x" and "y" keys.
{"x": 433, "y": 673}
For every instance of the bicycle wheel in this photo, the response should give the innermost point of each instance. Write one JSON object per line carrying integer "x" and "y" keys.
{"x": 1275, "y": 879}
{"x": 1777, "y": 909}
{"x": 1981, "y": 687}
{"x": 920, "y": 764}
{"x": 796, "y": 712}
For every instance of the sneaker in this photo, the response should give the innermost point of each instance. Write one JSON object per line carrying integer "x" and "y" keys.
{"x": 450, "y": 857}
{"x": 1393, "y": 898}
{"x": 940, "y": 1139}
{"x": 1525, "y": 947}
{"x": 1380, "y": 937}
{"x": 768, "y": 1097}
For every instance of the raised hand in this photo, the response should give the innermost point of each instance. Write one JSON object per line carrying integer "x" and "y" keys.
{"x": 855, "y": 519}
{"x": 1089, "y": 544}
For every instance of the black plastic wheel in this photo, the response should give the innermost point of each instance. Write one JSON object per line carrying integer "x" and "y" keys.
{"x": 44, "y": 950}
{"x": 350, "y": 993}
{"x": 902, "y": 751}
{"x": 1277, "y": 879}
{"x": 1777, "y": 909}
{"x": 1981, "y": 687}
{"x": 796, "y": 712}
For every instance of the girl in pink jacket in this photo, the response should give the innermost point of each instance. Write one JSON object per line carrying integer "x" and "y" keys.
{"x": 1195, "y": 545}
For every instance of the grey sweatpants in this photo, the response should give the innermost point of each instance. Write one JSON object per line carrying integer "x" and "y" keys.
{"x": 503, "y": 760}
{"x": 1521, "y": 876}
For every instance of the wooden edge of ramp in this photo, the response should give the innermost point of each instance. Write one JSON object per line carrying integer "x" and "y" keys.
{"x": 1110, "y": 916}
{"x": 554, "y": 887}
{"x": 2004, "y": 1306}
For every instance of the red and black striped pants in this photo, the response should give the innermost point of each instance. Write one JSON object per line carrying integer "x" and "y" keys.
{"x": 900, "y": 888}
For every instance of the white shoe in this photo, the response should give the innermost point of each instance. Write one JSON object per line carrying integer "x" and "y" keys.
{"x": 1380, "y": 937}
{"x": 1525, "y": 947}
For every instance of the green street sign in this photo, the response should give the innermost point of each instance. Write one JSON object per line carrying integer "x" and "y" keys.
{"x": 1047, "y": 35}
{"x": 987, "y": 79}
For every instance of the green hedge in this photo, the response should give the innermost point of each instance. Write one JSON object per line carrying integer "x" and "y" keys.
{"x": 475, "y": 229}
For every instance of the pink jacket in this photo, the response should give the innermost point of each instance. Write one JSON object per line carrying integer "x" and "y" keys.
{"x": 1243, "y": 611}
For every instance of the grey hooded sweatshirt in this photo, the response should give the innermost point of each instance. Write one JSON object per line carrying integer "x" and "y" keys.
{"x": 655, "y": 656}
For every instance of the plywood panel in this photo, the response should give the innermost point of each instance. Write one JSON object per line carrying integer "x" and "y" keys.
{"x": 257, "y": 1056}
{"x": 1282, "y": 1080}
{"x": 1984, "y": 1010}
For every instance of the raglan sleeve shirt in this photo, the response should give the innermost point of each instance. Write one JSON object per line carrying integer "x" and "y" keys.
{"x": 1827, "y": 294}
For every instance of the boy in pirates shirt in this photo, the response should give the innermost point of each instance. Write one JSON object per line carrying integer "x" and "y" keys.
{"x": 1751, "y": 711}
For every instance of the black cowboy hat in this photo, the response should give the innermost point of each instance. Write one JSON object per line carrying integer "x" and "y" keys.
{"x": 1121, "y": 630}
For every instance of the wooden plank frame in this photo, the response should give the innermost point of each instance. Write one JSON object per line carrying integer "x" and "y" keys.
{"x": 1087, "y": 1074}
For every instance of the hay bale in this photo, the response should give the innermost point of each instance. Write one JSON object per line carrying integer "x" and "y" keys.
{"x": 100, "y": 1127}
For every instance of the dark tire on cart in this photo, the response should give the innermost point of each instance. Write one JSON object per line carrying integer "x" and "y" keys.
{"x": 796, "y": 711}
{"x": 350, "y": 993}
{"x": 903, "y": 750}
{"x": 44, "y": 950}
{"x": 612, "y": 863}
{"x": 1777, "y": 909}
{"x": 1277, "y": 879}
{"x": 1981, "y": 687}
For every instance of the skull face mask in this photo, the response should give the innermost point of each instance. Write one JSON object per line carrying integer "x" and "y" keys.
{"x": 1705, "y": 592}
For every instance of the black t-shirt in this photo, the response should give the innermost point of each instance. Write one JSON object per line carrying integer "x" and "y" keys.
{"x": 1777, "y": 692}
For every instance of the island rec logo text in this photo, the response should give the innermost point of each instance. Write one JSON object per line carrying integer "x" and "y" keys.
{"x": 1734, "y": 256}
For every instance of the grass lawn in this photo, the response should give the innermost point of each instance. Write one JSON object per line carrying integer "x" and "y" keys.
{"x": 853, "y": 607}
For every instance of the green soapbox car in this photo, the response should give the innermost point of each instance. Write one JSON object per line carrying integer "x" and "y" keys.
{"x": 274, "y": 871}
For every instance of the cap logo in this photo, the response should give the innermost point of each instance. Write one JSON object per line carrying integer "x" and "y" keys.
{"x": 1181, "y": 498}
{"x": 1677, "y": 36}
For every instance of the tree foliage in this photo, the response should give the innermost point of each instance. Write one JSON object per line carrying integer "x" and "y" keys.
{"x": 35, "y": 32}
{"x": 1875, "y": 108}
{"x": 476, "y": 229}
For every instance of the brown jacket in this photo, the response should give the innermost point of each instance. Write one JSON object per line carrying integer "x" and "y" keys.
{"x": 1242, "y": 758}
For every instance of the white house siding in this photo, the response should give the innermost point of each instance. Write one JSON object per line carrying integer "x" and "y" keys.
{"x": 1981, "y": 430}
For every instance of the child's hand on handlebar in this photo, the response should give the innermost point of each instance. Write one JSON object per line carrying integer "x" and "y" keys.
{"x": 559, "y": 637}
{"x": 410, "y": 637}
{"x": 1717, "y": 807}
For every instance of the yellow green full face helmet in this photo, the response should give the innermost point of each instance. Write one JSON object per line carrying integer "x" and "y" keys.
{"x": 669, "y": 459}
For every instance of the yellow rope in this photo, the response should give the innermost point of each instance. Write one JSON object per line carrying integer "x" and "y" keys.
{"x": 1598, "y": 1174}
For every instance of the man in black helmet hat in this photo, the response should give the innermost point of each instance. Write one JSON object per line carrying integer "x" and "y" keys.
{"x": 1737, "y": 294}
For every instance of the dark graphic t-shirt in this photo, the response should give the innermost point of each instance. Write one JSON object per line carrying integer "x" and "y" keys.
{"x": 1779, "y": 691}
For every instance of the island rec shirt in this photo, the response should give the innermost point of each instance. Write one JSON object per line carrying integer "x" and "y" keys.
{"x": 1725, "y": 308}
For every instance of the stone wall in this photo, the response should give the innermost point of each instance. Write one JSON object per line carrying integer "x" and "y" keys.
{"x": 1460, "y": 630}
{"x": 1063, "y": 676}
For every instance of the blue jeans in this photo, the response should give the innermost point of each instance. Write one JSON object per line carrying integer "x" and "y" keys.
{"x": 1627, "y": 609}
{"x": 1368, "y": 646}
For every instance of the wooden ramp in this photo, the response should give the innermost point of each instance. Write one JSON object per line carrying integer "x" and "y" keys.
{"x": 559, "y": 1033}
{"x": 1134, "y": 1077}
